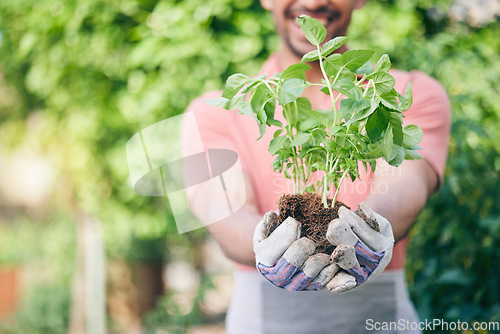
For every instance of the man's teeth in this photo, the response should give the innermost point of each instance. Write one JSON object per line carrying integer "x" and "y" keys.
{"x": 323, "y": 21}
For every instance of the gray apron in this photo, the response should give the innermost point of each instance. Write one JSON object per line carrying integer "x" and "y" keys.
{"x": 258, "y": 307}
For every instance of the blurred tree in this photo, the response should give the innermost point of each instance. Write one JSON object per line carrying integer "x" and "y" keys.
{"x": 95, "y": 72}
{"x": 91, "y": 73}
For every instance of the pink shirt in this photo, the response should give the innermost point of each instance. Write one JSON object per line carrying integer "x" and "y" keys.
{"x": 220, "y": 128}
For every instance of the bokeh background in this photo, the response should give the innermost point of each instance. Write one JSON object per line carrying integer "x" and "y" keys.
{"x": 80, "y": 252}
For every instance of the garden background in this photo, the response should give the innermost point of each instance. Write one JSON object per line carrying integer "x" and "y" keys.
{"x": 79, "y": 78}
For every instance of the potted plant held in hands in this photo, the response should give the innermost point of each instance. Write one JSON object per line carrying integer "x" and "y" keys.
{"x": 318, "y": 149}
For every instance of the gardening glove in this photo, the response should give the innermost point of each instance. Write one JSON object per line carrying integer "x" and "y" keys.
{"x": 364, "y": 241}
{"x": 286, "y": 260}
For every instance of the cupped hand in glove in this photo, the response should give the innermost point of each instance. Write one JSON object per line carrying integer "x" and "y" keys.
{"x": 364, "y": 241}
{"x": 286, "y": 260}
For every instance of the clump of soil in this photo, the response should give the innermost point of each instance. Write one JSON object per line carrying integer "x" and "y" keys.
{"x": 309, "y": 210}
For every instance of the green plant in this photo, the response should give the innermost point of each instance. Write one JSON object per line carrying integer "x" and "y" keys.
{"x": 367, "y": 125}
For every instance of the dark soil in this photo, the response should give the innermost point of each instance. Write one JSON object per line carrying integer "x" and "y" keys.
{"x": 309, "y": 210}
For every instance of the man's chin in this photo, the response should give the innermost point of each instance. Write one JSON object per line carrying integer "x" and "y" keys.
{"x": 299, "y": 49}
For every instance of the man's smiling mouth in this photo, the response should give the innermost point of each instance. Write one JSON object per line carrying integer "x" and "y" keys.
{"x": 324, "y": 15}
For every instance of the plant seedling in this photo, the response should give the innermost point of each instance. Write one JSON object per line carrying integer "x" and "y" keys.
{"x": 363, "y": 124}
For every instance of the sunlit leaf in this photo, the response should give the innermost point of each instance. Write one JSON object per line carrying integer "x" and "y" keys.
{"x": 313, "y": 30}
{"x": 291, "y": 90}
{"x": 233, "y": 84}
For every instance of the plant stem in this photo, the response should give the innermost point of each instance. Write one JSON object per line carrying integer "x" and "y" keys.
{"x": 325, "y": 181}
{"x": 368, "y": 86}
{"x": 266, "y": 82}
{"x": 338, "y": 187}
{"x": 296, "y": 172}
{"x": 328, "y": 84}
{"x": 326, "y": 178}
{"x": 307, "y": 170}
{"x": 303, "y": 174}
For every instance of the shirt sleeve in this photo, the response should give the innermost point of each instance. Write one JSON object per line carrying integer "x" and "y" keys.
{"x": 430, "y": 111}
{"x": 210, "y": 124}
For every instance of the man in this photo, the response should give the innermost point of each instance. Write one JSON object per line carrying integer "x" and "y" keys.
{"x": 398, "y": 194}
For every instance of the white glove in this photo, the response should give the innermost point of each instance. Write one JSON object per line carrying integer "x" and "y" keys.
{"x": 286, "y": 260}
{"x": 364, "y": 241}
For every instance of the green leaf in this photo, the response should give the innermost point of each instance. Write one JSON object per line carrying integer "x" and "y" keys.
{"x": 310, "y": 56}
{"x": 349, "y": 107}
{"x": 332, "y": 45}
{"x": 319, "y": 134}
{"x": 356, "y": 93}
{"x": 233, "y": 84}
{"x": 412, "y": 155}
{"x": 374, "y": 153}
{"x": 262, "y": 130}
{"x": 295, "y": 71}
{"x": 303, "y": 150}
{"x": 399, "y": 156}
{"x": 390, "y": 101}
{"x": 274, "y": 122}
{"x": 318, "y": 165}
{"x": 364, "y": 113}
{"x": 354, "y": 59}
{"x": 365, "y": 166}
{"x": 333, "y": 64}
{"x": 334, "y": 130}
{"x": 291, "y": 114}
{"x": 388, "y": 145}
{"x": 304, "y": 106}
{"x": 396, "y": 124}
{"x": 277, "y": 133}
{"x": 308, "y": 124}
{"x": 276, "y": 144}
{"x": 408, "y": 97}
{"x": 244, "y": 108}
{"x": 344, "y": 86}
{"x": 261, "y": 116}
{"x": 262, "y": 121}
{"x": 412, "y": 135}
{"x": 330, "y": 145}
{"x": 249, "y": 86}
{"x": 286, "y": 173}
{"x": 300, "y": 138}
{"x": 313, "y": 30}
{"x": 291, "y": 90}
{"x": 377, "y": 123}
{"x": 258, "y": 98}
{"x": 384, "y": 82}
{"x": 350, "y": 163}
{"x": 220, "y": 102}
{"x": 366, "y": 68}
{"x": 383, "y": 64}
{"x": 270, "y": 108}
{"x": 320, "y": 116}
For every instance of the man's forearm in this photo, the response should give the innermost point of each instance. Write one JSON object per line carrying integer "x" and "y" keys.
{"x": 235, "y": 234}
{"x": 405, "y": 192}
{"x": 400, "y": 208}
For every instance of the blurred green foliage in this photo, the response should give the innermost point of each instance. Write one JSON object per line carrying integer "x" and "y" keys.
{"x": 91, "y": 73}
{"x": 48, "y": 248}
{"x": 453, "y": 263}
{"x": 45, "y": 310}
